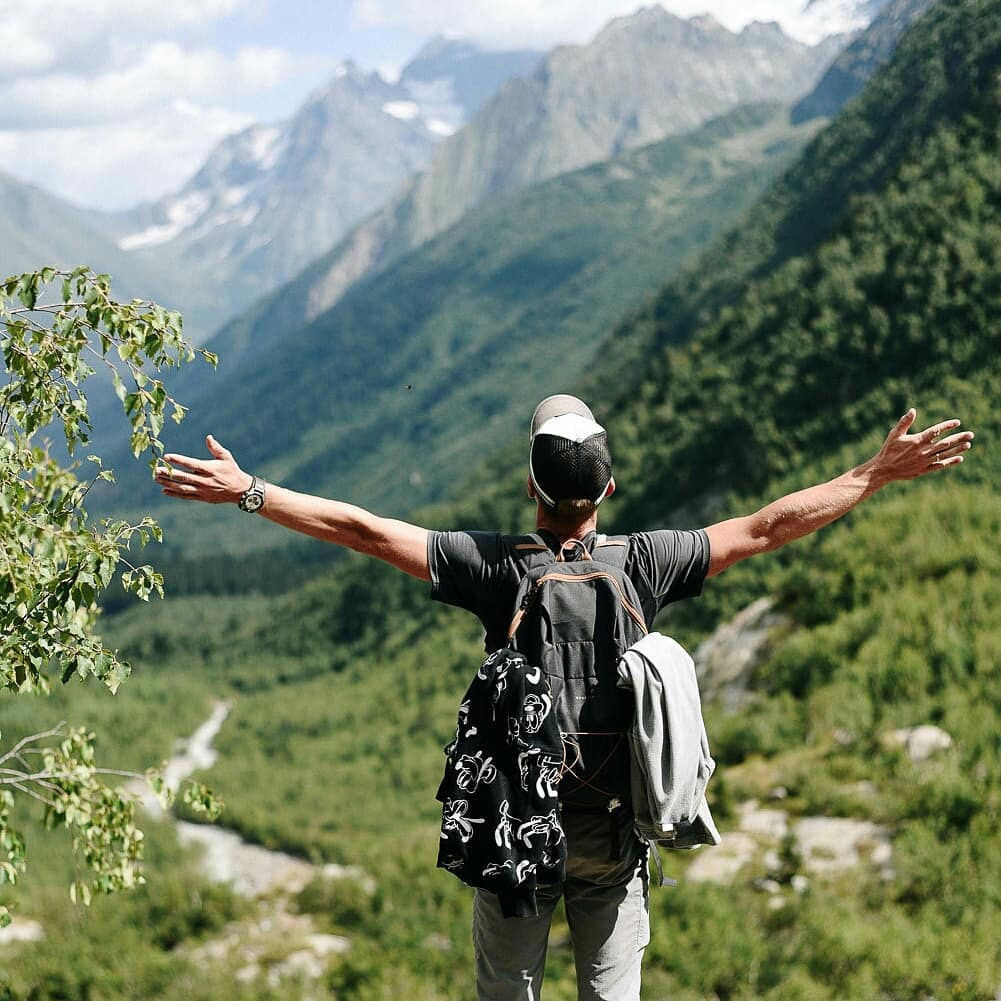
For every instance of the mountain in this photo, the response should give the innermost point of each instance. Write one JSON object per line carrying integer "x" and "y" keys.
{"x": 848, "y": 73}
{"x": 791, "y": 355}
{"x": 270, "y": 198}
{"x": 39, "y": 229}
{"x": 817, "y": 19}
{"x": 450, "y": 79}
{"x": 402, "y": 386}
{"x": 642, "y": 78}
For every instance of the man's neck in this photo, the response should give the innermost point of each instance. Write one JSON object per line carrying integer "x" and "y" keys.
{"x": 565, "y": 529}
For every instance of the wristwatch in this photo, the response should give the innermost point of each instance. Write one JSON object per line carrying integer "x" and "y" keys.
{"x": 252, "y": 499}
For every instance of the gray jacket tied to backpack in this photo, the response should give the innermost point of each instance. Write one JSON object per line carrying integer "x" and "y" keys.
{"x": 670, "y": 762}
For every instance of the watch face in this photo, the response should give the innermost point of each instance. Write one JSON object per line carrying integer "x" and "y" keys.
{"x": 252, "y": 502}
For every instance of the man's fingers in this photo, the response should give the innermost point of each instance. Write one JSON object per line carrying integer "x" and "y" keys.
{"x": 904, "y": 424}
{"x": 216, "y": 449}
{"x": 930, "y": 434}
{"x": 945, "y": 463}
{"x": 947, "y": 453}
{"x": 181, "y": 490}
{"x": 186, "y": 462}
{"x": 952, "y": 441}
{"x": 167, "y": 479}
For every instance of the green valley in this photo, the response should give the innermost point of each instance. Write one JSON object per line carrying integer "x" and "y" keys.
{"x": 866, "y": 279}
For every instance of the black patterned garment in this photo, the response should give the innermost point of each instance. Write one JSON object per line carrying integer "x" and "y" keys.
{"x": 500, "y": 826}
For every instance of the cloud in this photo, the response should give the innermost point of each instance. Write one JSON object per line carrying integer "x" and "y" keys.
{"x": 516, "y": 23}
{"x": 108, "y": 102}
{"x": 497, "y": 23}
{"x": 37, "y": 35}
{"x": 161, "y": 73}
{"x": 116, "y": 164}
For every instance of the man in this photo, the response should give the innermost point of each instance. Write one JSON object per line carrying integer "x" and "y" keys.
{"x": 569, "y": 476}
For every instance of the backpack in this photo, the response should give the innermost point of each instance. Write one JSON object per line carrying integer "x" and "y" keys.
{"x": 575, "y": 615}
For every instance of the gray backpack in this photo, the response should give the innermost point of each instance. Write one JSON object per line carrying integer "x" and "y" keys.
{"x": 575, "y": 615}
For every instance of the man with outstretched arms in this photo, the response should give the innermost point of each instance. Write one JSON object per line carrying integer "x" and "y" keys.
{"x": 570, "y": 473}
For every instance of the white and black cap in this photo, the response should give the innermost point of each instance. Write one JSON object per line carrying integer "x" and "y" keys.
{"x": 569, "y": 458}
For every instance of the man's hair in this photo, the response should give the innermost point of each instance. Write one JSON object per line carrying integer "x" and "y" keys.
{"x": 575, "y": 509}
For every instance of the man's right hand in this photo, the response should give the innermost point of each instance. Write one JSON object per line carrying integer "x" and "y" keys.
{"x": 218, "y": 480}
{"x": 906, "y": 456}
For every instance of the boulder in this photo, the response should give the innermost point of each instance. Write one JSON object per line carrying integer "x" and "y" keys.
{"x": 920, "y": 742}
{"x": 727, "y": 659}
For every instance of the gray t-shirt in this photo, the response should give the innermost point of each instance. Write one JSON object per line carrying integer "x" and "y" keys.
{"x": 480, "y": 571}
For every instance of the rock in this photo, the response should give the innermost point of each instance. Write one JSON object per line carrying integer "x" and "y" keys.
{"x": 832, "y": 844}
{"x": 21, "y": 930}
{"x": 799, "y": 883}
{"x": 439, "y": 942}
{"x": 304, "y": 964}
{"x": 776, "y": 903}
{"x": 764, "y": 823}
{"x": 250, "y": 870}
{"x": 722, "y": 863}
{"x": 726, "y": 660}
{"x": 779, "y": 792}
{"x": 326, "y": 945}
{"x": 334, "y": 871}
{"x": 920, "y": 742}
{"x": 770, "y": 886}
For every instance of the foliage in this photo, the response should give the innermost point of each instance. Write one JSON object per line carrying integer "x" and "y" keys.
{"x": 346, "y": 689}
{"x": 53, "y": 327}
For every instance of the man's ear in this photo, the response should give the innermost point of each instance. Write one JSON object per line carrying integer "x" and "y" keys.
{"x": 610, "y": 489}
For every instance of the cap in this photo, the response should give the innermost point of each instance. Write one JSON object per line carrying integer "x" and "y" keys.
{"x": 569, "y": 458}
{"x": 558, "y": 406}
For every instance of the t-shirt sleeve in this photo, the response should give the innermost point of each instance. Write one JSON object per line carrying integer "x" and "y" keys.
{"x": 673, "y": 563}
{"x": 464, "y": 566}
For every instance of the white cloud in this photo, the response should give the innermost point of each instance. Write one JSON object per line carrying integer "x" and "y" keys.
{"x": 37, "y": 34}
{"x": 163, "y": 72}
{"x": 105, "y": 103}
{"x": 117, "y": 164}
{"x": 517, "y": 23}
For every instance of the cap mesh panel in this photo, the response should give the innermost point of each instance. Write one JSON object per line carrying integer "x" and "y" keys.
{"x": 569, "y": 470}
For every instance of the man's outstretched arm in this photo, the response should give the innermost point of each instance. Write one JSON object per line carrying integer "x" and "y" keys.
{"x": 903, "y": 456}
{"x": 220, "y": 480}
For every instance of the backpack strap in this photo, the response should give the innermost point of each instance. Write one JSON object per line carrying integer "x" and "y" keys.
{"x": 613, "y": 549}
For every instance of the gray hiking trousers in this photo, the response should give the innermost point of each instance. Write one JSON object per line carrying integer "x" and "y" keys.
{"x": 607, "y": 906}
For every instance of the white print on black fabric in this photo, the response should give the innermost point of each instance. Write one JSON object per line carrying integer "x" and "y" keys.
{"x": 453, "y": 864}
{"x": 535, "y": 709}
{"x": 523, "y": 870}
{"x": 502, "y": 668}
{"x": 534, "y": 675}
{"x": 474, "y": 769}
{"x": 547, "y": 826}
{"x": 550, "y": 861}
{"x": 524, "y": 762}
{"x": 513, "y": 729}
{"x": 496, "y": 868}
{"x": 548, "y": 772}
{"x": 454, "y": 819}
{"x": 548, "y": 778}
{"x": 502, "y": 833}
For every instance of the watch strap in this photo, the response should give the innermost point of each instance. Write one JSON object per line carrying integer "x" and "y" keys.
{"x": 252, "y": 499}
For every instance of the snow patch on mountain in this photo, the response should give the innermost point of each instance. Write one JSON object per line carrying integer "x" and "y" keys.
{"x": 266, "y": 146}
{"x": 406, "y": 111}
{"x": 181, "y": 213}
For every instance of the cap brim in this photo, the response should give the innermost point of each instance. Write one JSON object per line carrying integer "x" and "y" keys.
{"x": 558, "y": 406}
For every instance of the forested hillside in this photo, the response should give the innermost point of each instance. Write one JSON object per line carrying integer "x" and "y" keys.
{"x": 868, "y": 279}
{"x": 399, "y": 390}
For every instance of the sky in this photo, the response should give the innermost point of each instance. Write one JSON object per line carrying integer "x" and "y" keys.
{"x": 108, "y": 103}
